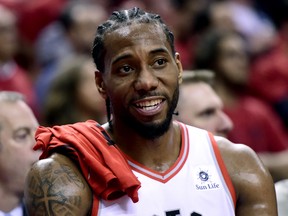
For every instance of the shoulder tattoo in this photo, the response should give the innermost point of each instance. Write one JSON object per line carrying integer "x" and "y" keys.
{"x": 55, "y": 190}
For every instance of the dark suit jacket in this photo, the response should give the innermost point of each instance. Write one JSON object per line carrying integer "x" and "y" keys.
{"x": 24, "y": 209}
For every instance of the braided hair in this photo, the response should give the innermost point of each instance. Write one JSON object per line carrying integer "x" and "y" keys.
{"x": 122, "y": 18}
{"x": 117, "y": 20}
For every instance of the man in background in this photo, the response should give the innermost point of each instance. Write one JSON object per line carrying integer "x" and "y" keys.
{"x": 199, "y": 105}
{"x": 17, "y": 128}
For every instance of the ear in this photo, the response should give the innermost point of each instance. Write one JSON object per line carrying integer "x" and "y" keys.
{"x": 100, "y": 84}
{"x": 179, "y": 66}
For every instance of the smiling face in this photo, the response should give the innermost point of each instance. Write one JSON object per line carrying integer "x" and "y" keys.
{"x": 141, "y": 78}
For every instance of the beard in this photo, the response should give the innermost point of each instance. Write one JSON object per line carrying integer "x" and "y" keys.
{"x": 152, "y": 130}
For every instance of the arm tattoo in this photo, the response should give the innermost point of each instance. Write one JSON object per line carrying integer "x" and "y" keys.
{"x": 52, "y": 193}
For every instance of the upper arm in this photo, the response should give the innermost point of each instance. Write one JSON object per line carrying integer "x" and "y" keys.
{"x": 54, "y": 186}
{"x": 252, "y": 181}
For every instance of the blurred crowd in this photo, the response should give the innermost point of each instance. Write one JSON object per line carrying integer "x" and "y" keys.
{"x": 45, "y": 54}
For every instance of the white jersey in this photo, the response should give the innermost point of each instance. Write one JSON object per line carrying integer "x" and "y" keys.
{"x": 196, "y": 185}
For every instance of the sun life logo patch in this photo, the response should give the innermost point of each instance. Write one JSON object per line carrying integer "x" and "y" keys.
{"x": 206, "y": 178}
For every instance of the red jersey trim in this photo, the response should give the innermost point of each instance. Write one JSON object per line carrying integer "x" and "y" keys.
{"x": 173, "y": 170}
{"x": 223, "y": 169}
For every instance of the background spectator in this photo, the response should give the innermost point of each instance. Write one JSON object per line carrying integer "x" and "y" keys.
{"x": 73, "y": 95}
{"x": 200, "y": 106}
{"x": 255, "y": 123}
{"x": 70, "y": 35}
{"x": 17, "y": 127}
{"x": 12, "y": 76}
{"x": 271, "y": 68}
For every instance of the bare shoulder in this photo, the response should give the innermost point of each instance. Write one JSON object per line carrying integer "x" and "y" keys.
{"x": 55, "y": 186}
{"x": 239, "y": 157}
{"x": 252, "y": 181}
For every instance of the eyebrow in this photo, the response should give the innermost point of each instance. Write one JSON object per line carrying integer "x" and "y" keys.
{"x": 159, "y": 50}
{"x": 23, "y": 128}
{"x": 125, "y": 56}
{"x": 119, "y": 58}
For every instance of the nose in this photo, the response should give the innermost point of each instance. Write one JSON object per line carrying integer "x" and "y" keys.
{"x": 32, "y": 140}
{"x": 34, "y": 155}
{"x": 146, "y": 80}
{"x": 226, "y": 124}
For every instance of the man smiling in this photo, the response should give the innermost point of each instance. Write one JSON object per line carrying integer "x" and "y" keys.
{"x": 141, "y": 162}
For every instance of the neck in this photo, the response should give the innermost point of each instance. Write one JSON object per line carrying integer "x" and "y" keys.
{"x": 157, "y": 154}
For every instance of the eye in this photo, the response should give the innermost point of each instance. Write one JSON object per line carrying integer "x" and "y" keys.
{"x": 22, "y": 135}
{"x": 208, "y": 113}
{"x": 126, "y": 69}
{"x": 159, "y": 63}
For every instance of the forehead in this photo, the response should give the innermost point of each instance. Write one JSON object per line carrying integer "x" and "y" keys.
{"x": 232, "y": 41}
{"x": 137, "y": 31}
{"x": 200, "y": 96}
{"x": 136, "y": 35}
{"x": 16, "y": 115}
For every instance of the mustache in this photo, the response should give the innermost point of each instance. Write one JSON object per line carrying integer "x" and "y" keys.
{"x": 149, "y": 94}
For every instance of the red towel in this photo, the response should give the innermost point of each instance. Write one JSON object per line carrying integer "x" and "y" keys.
{"x": 102, "y": 164}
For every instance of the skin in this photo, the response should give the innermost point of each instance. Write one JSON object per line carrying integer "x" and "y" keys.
{"x": 18, "y": 125}
{"x": 139, "y": 62}
{"x": 206, "y": 114}
{"x": 56, "y": 187}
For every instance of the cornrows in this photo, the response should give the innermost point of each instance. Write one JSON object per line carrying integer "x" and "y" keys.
{"x": 122, "y": 18}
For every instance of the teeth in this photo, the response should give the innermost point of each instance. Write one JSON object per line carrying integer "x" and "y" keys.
{"x": 147, "y": 105}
